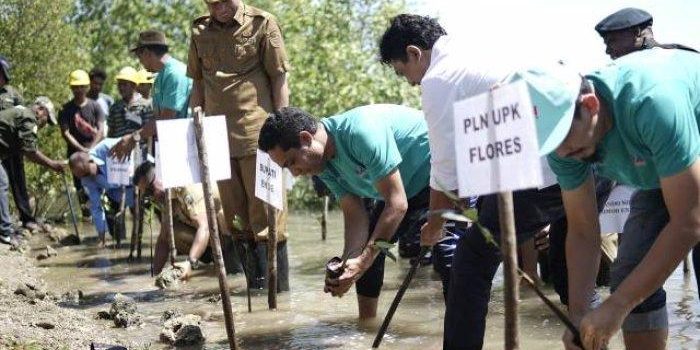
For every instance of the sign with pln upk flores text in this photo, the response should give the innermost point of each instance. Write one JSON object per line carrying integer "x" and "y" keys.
{"x": 269, "y": 181}
{"x": 496, "y": 142}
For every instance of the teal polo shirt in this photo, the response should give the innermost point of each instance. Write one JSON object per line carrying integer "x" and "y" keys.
{"x": 370, "y": 142}
{"x": 654, "y": 97}
{"x": 171, "y": 89}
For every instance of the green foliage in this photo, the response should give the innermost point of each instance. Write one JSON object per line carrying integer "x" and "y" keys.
{"x": 112, "y": 28}
{"x": 331, "y": 45}
{"x": 43, "y": 49}
{"x": 385, "y": 247}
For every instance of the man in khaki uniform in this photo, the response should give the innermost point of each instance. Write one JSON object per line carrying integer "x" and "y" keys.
{"x": 14, "y": 165}
{"x": 190, "y": 224}
{"x": 238, "y": 65}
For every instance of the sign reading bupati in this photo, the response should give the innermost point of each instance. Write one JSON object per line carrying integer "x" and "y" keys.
{"x": 120, "y": 173}
{"x": 178, "y": 160}
{"x": 269, "y": 181}
{"x": 616, "y": 210}
{"x": 496, "y": 142}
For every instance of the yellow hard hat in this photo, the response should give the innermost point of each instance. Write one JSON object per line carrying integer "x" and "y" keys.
{"x": 146, "y": 77}
{"x": 78, "y": 77}
{"x": 129, "y": 74}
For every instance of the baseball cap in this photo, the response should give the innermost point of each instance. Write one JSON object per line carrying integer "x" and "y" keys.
{"x": 554, "y": 91}
{"x": 45, "y": 102}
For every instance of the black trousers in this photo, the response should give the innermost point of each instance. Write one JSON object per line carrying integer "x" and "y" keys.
{"x": 14, "y": 167}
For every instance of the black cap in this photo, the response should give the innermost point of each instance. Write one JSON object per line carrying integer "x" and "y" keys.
{"x": 624, "y": 19}
{"x": 5, "y": 66}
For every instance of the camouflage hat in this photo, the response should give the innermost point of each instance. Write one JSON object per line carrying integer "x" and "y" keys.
{"x": 150, "y": 37}
{"x": 45, "y": 102}
{"x": 5, "y": 66}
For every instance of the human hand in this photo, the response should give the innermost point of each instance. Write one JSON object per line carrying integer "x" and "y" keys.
{"x": 57, "y": 166}
{"x": 123, "y": 148}
{"x": 186, "y": 269}
{"x": 430, "y": 233}
{"x": 542, "y": 239}
{"x": 599, "y": 325}
{"x": 354, "y": 268}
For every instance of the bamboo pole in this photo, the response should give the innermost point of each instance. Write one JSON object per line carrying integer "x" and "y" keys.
{"x": 324, "y": 218}
{"x": 510, "y": 265}
{"x": 214, "y": 238}
{"x": 271, "y": 257}
{"x": 168, "y": 222}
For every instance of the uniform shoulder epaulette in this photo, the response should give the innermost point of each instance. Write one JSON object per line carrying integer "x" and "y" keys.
{"x": 256, "y": 12}
{"x": 202, "y": 20}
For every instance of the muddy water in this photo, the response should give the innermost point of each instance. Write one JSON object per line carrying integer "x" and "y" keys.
{"x": 309, "y": 319}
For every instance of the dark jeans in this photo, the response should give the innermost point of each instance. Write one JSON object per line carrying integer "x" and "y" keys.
{"x": 14, "y": 166}
{"x": 476, "y": 261}
{"x": 253, "y": 258}
{"x": 6, "y": 228}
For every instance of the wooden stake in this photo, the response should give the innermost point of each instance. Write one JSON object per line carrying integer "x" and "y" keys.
{"x": 135, "y": 223}
{"x": 510, "y": 265}
{"x": 70, "y": 205}
{"x": 324, "y": 218}
{"x": 214, "y": 238}
{"x": 168, "y": 222}
{"x": 271, "y": 257}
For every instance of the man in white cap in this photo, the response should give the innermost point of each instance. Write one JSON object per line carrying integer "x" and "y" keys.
{"x": 18, "y": 135}
{"x": 635, "y": 121}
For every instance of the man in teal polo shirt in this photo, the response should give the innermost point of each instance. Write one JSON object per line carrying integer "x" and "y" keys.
{"x": 636, "y": 122}
{"x": 171, "y": 89}
{"x": 375, "y": 151}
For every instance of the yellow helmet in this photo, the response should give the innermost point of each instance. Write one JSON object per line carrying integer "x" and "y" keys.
{"x": 129, "y": 74}
{"x": 78, "y": 77}
{"x": 146, "y": 77}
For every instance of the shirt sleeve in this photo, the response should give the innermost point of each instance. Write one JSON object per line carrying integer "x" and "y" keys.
{"x": 570, "y": 173}
{"x": 175, "y": 92}
{"x": 94, "y": 194}
{"x": 64, "y": 118}
{"x": 437, "y": 98}
{"x": 668, "y": 127}
{"x": 99, "y": 113}
{"x": 273, "y": 54}
{"x": 375, "y": 148}
{"x": 27, "y": 131}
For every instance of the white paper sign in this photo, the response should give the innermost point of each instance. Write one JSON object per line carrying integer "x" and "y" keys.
{"x": 548, "y": 176}
{"x": 177, "y": 151}
{"x": 269, "y": 185}
{"x": 120, "y": 173}
{"x": 616, "y": 210}
{"x": 496, "y": 142}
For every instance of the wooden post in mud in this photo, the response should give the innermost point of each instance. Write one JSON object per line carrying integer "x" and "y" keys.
{"x": 271, "y": 257}
{"x": 324, "y": 218}
{"x": 168, "y": 222}
{"x": 214, "y": 238}
{"x": 510, "y": 265}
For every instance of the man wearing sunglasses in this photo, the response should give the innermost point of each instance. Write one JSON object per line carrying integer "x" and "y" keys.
{"x": 189, "y": 220}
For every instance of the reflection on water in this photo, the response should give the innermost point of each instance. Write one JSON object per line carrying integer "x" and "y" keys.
{"x": 309, "y": 319}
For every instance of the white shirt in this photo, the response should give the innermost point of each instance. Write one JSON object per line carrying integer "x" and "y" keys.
{"x": 457, "y": 71}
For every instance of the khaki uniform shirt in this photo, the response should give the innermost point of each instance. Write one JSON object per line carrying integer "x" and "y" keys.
{"x": 235, "y": 64}
{"x": 9, "y": 97}
{"x": 188, "y": 203}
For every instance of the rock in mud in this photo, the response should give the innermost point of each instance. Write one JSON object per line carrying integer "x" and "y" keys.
{"x": 19, "y": 245}
{"x": 45, "y": 325}
{"x": 104, "y": 315}
{"x": 183, "y": 331}
{"x": 214, "y": 298}
{"x": 169, "y": 277}
{"x": 72, "y": 297}
{"x": 123, "y": 312}
{"x": 31, "y": 292}
{"x": 168, "y": 314}
{"x": 71, "y": 239}
{"x": 55, "y": 233}
{"x": 50, "y": 252}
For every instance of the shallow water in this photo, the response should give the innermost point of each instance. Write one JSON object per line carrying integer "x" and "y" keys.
{"x": 309, "y": 319}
